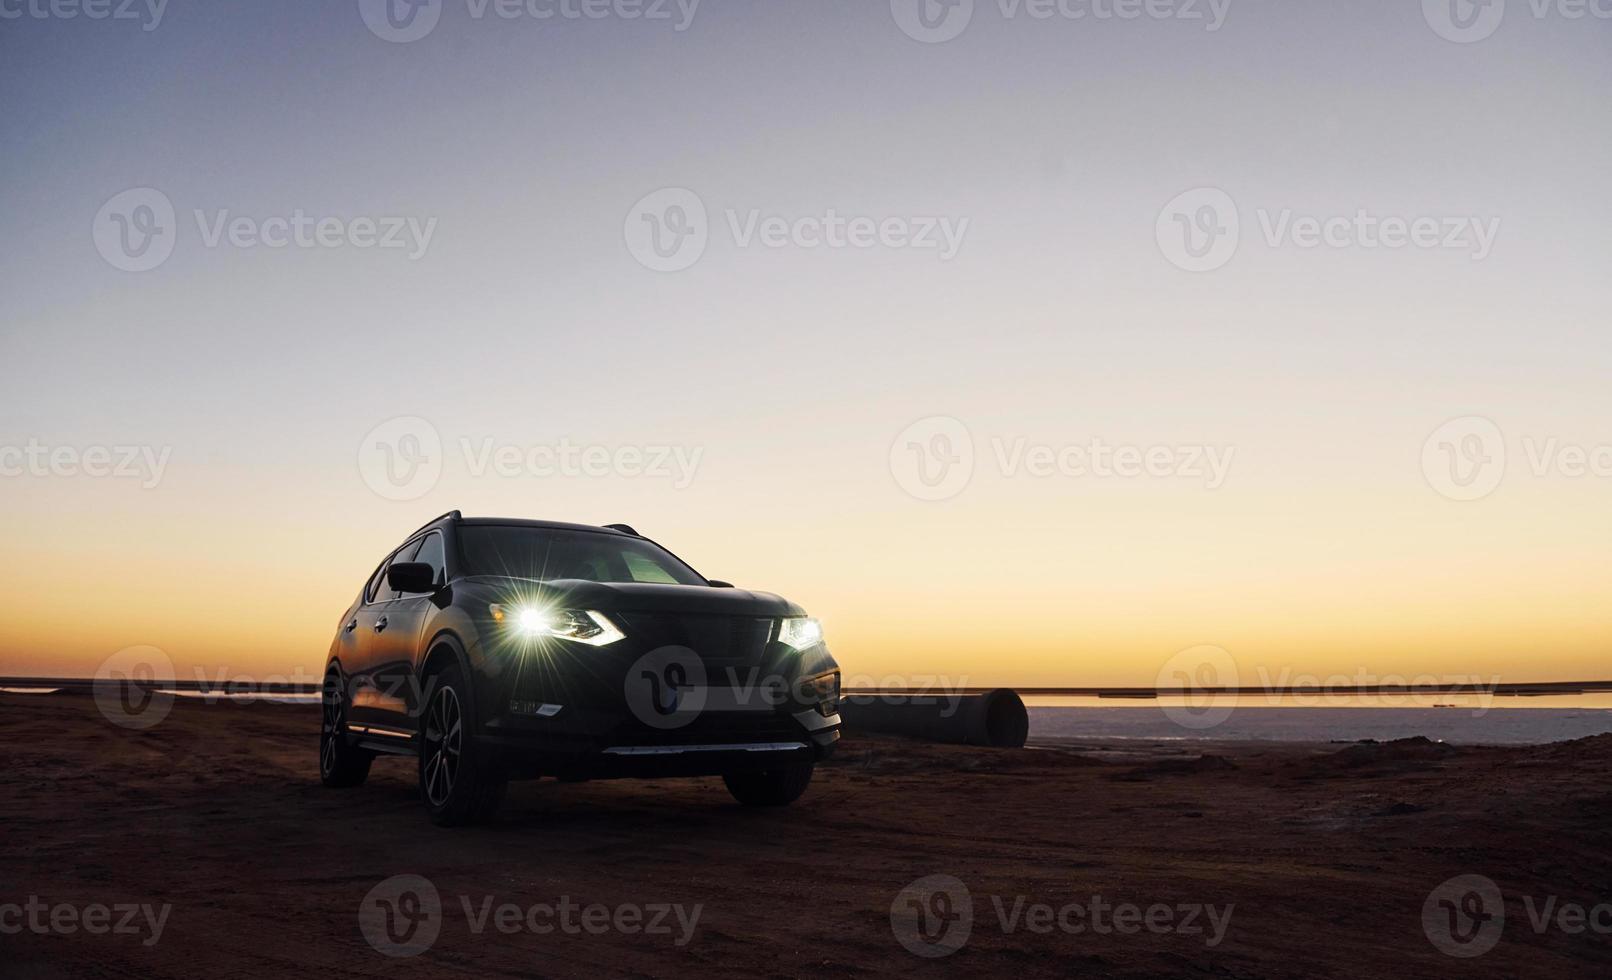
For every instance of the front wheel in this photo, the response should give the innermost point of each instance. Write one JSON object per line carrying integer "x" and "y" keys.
{"x": 341, "y": 764}
{"x": 456, "y": 783}
{"x": 772, "y": 787}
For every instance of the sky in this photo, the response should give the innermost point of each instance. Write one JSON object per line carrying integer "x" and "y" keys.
{"x": 1022, "y": 343}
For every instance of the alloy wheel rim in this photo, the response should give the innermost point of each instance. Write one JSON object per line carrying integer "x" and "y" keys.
{"x": 444, "y": 743}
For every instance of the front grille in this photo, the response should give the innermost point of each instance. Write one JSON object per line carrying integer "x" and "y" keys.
{"x": 720, "y": 641}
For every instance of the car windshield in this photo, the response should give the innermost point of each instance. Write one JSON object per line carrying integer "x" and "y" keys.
{"x": 549, "y": 553}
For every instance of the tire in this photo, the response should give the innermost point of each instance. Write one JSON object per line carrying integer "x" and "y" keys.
{"x": 457, "y": 784}
{"x": 341, "y": 763}
{"x": 774, "y": 787}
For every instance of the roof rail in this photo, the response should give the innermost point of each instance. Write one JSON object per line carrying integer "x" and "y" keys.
{"x": 452, "y": 513}
{"x": 624, "y": 529}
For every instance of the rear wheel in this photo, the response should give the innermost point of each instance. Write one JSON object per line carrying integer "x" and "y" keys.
{"x": 458, "y": 785}
{"x": 772, "y": 787}
{"x": 341, "y": 764}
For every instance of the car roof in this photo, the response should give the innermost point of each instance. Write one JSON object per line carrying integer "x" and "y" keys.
{"x": 521, "y": 522}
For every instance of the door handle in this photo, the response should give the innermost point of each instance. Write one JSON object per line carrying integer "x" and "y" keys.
{"x": 380, "y": 624}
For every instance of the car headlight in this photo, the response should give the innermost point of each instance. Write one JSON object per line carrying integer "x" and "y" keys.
{"x": 580, "y": 625}
{"x": 801, "y": 632}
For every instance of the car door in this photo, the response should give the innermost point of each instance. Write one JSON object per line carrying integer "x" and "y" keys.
{"x": 397, "y": 642}
{"x": 370, "y": 623}
{"x": 348, "y": 648}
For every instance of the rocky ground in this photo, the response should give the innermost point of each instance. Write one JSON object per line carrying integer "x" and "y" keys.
{"x": 214, "y": 852}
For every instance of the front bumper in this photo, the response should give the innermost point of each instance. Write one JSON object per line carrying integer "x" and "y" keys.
{"x": 567, "y": 712}
{"x": 569, "y": 743}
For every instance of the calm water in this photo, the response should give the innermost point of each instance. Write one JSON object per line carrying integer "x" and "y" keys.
{"x": 1469, "y": 725}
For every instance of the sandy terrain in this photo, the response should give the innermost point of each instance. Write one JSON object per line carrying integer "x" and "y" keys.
{"x": 1325, "y": 854}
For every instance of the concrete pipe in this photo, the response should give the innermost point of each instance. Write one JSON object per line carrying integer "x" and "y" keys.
{"x": 995, "y": 718}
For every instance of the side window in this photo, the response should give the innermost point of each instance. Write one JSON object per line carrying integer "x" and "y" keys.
{"x": 376, "y": 582}
{"x": 382, "y": 591}
{"x": 431, "y": 553}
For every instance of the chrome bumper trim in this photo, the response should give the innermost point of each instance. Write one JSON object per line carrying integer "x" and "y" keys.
{"x": 681, "y": 749}
{"x": 813, "y": 721}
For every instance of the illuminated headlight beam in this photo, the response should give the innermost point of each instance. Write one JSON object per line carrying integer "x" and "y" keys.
{"x": 800, "y": 632}
{"x": 587, "y": 626}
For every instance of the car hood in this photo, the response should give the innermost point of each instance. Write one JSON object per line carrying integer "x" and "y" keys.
{"x": 633, "y": 596}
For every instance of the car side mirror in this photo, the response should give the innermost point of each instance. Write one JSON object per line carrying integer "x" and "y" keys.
{"x": 718, "y": 584}
{"x": 411, "y": 576}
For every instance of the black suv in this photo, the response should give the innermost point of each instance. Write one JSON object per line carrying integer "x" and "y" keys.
{"x": 493, "y": 649}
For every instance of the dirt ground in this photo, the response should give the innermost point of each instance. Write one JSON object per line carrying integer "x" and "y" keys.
{"x": 1325, "y": 855}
